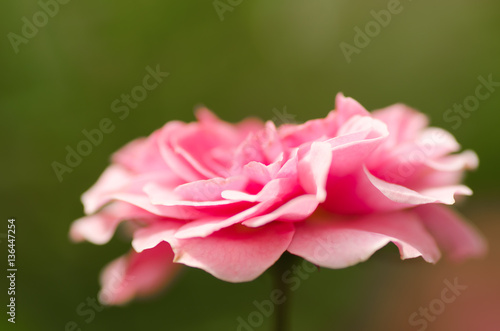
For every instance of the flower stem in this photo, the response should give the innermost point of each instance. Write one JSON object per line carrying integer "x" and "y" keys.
{"x": 281, "y": 310}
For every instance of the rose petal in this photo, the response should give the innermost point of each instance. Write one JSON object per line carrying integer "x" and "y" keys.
{"x": 137, "y": 275}
{"x": 211, "y": 189}
{"x": 403, "y": 122}
{"x": 141, "y": 155}
{"x": 261, "y": 173}
{"x": 314, "y": 168}
{"x": 143, "y": 201}
{"x": 406, "y": 196}
{"x": 338, "y": 242}
{"x": 100, "y": 227}
{"x": 296, "y": 209}
{"x": 159, "y": 195}
{"x": 236, "y": 254}
{"x": 150, "y": 236}
{"x": 276, "y": 188}
{"x": 206, "y": 226}
{"x": 112, "y": 179}
{"x": 459, "y": 239}
{"x": 177, "y": 163}
{"x": 97, "y": 229}
{"x": 350, "y": 152}
{"x": 348, "y": 107}
{"x": 466, "y": 160}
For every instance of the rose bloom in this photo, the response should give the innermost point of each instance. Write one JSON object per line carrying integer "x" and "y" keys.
{"x": 232, "y": 198}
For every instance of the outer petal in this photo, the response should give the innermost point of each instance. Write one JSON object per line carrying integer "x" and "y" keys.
{"x": 208, "y": 119}
{"x": 347, "y": 108}
{"x": 323, "y": 129}
{"x": 342, "y": 242}
{"x": 235, "y": 254}
{"x": 403, "y": 122}
{"x": 416, "y": 171}
{"x": 118, "y": 180}
{"x": 363, "y": 192}
{"x": 99, "y": 228}
{"x": 141, "y": 155}
{"x": 137, "y": 275}
{"x": 444, "y": 171}
{"x": 401, "y": 194}
{"x": 455, "y": 236}
{"x": 434, "y": 142}
{"x": 466, "y": 160}
{"x": 111, "y": 180}
{"x": 294, "y": 135}
{"x": 154, "y": 234}
{"x": 142, "y": 201}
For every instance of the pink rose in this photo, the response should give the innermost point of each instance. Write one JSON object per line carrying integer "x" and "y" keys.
{"x": 230, "y": 199}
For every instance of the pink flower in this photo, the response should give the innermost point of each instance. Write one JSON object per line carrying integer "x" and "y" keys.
{"x": 230, "y": 199}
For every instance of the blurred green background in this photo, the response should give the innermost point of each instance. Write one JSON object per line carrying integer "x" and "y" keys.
{"x": 262, "y": 55}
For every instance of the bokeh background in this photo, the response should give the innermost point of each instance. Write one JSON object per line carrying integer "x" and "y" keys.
{"x": 253, "y": 59}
